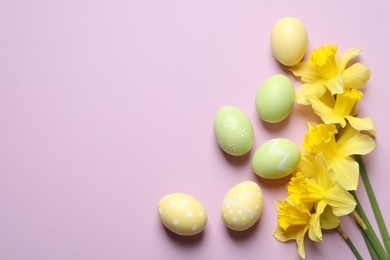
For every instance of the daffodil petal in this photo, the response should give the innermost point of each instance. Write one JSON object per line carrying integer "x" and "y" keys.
{"x": 315, "y": 233}
{"x": 317, "y": 89}
{"x": 328, "y": 99}
{"x": 358, "y": 144}
{"x": 329, "y": 220}
{"x": 355, "y": 109}
{"x": 356, "y": 76}
{"x": 294, "y": 232}
{"x": 335, "y": 85}
{"x": 362, "y": 124}
{"x": 346, "y": 171}
{"x": 289, "y": 234}
{"x": 326, "y": 175}
{"x": 341, "y": 201}
{"x": 326, "y": 113}
{"x": 307, "y": 164}
{"x": 306, "y": 72}
{"x": 300, "y": 242}
{"x": 347, "y": 57}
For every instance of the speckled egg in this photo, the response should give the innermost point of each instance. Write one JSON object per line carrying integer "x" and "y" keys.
{"x": 276, "y": 158}
{"x": 233, "y": 130}
{"x": 242, "y": 206}
{"x": 289, "y": 40}
{"x": 182, "y": 214}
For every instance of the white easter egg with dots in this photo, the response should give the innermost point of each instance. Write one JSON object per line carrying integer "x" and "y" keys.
{"x": 242, "y": 206}
{"x": 182, "y": 214}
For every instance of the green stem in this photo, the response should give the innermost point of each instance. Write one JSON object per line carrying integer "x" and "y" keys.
{"x": 350, "y": 244}
{"x": 371, "y": 249}
{"x": 364, "y": 224}
{"x": 374, "y": 204}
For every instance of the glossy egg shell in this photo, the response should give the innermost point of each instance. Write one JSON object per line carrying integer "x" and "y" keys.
{"x": 182, "y": 214}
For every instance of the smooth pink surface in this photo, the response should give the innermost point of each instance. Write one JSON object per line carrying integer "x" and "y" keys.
{"x": 106, "y": 106}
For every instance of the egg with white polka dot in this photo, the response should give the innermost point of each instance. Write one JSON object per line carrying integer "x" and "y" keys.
{"x": 182, "y": 214}
{"x": 242, "y": 206}
{"x": 233, "y": 130}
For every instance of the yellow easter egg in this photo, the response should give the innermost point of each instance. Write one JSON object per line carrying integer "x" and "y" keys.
{"x": 182, "y": 214}
{"x": 242, "y": 206}
{"x": 289, "y": 40}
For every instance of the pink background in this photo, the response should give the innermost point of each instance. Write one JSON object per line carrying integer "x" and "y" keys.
{"x": 106, "y": 106}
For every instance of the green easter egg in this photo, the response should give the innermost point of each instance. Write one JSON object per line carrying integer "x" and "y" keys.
{"x": 276, "y": 158}
{"x": 275, "y": 98}
{"x": 233, "y": 130}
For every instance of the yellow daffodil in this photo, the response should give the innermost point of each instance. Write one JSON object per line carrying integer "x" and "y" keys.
{"x": 295, "y": 221}
{"x": 321, "y": 139}
{"x": 325, "y": 70}
{"x": 322, "y": 189}
{"x": 341, "y": 109}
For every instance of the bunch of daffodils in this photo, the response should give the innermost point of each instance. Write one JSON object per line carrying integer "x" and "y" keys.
{"x": 322, "y": 189}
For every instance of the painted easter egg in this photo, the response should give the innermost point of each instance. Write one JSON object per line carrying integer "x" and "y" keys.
{"x": 233, "y": 130}
{"x": 275, "y": 98}
{"x": 289, "y": 40}
{"x": 182, "y": 214}
{"x": 242, "y": 206}
{"x": 276, "y": 158}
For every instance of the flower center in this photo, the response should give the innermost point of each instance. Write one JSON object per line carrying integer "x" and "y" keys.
{"x": 325, "y": 61}
{"x": 347, "y": 100}
{"x": 291, "y": 216}
{"x": 300, "y": 190}
{"x": 321, "y": 139}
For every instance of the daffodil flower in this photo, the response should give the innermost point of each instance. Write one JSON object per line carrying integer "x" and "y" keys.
{"x": 322, "y": 189}
{"x": 321, "y": 139}
{"x": 341, "y": 109}
{"x": 325, "y": 70}
{"x": 295, "y": 221}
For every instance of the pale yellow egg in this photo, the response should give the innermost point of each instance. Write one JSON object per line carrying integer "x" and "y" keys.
{"x": 242, "y": 206}
{"x": 289, "y": 41}
{"x": 182, "y": 214}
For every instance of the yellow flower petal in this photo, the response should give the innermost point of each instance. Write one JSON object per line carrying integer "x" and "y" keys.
{"x": 335, "y": 85}
{"x": 315, "y": 232}
{"x": 362, "y": 124}
{"x": 347, "y": 57}
{"x": 307, "y": 164}
{"x": 329, "y": 220}
{"x": 317, "y": 89}
{"x": 352, "y": 142}
{"x": 295, "y": 232}
{"x": 308, "y": 73}
{"x": 341, "y": 201}
{"x": 328, "y": 99}
{"x": 346, "y": 171}
{"x": 356, "y": 76}
{"x": 355, "y": 109}
{"x": 326, "y": 113}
